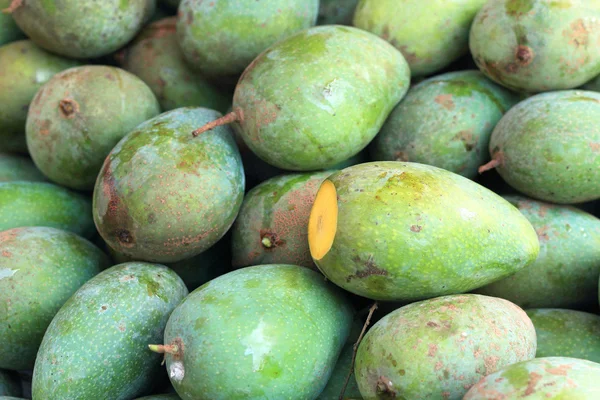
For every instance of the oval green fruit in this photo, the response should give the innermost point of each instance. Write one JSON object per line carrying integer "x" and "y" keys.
{"x": 40, "y": 268}
{"x": 271, "y": 225}
{"x": 45, "y": 204}
{"x": 77, "y": 29}
{"x": 445, "y": 121}
{"x": 14, "y": 167}
{"x": 547, "y": 378}
{"x": 78, "y": 116}
{"x": 163, "y": 195}
{"x": 565, "y": 273}
{"x": 548, "y": 147}
{"x": 24, "y": 68}
{"x": 278, "y": 329}
{"x": 10, "y": 384}
{"x": 220, "y": 38}
{"x": 155, "y": 58}
{"x": 96, "y": 345}
{"x": 430, "y": 34}
{"x": 318, "y": 97}
{"x": 438, "y": 348}
{"x": 405, "y": 231}
{"x": 566, "y": 333}
{"x": 9, "y": 31}
{"x": 537, "y": 45}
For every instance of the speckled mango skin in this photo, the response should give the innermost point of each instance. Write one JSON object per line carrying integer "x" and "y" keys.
{"x": 537, "y": 45}
{"x": 430, "y": 34}
{"x": 15, "y": 167}
{"x": 546, "y": 378}
{"x": 566, "y": 333}
{"x": 69, "y": 147}
{"x": 9, "y": 383}
{"x": 277, "y": 210}
{"x": 408, "y": 231}
{"x": 336, "y": 12}
{"x": 549, "y": 146}
{"x": 96, "y": 346}
{"x": 313, "y": 100}
{"x": 40, "y": 268}
{"x": 221, "y": 38}
{"x": 438, "y": 348}
{"x": 566, "y": 271}
{"x": 445, "y": 121}
{"x": 163, "y": 195}
{"x": 77, "y": 29}
{"x": 24, "y": 68}
{"x": 277, "y": 329}
{"x": 9, "y": 31}
{"x": 45, "y": 204}
{"x": 155, "y": 58}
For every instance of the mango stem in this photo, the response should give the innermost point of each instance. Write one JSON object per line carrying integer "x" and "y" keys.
{"x": 13, "y": 6}
{"x": 355, "y": 348}
{"x": 224, "y": 120}
{"x": 164, "y": 348}
{"x": 495, "y": 162}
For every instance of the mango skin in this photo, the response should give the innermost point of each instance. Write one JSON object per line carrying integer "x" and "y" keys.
{"x": 163, "y": 195}
{"x": 566, "y": 333}
{"x": 312, "y": 100}
{"x": 537, "y": 45}
{"x": 568, "y": 265}
{"x": 9, "y": 31}
{"x": 40, "y": 268}
{"x": 24, "y": 68}
{"x": 278, "y": 328}
{"x": 548, "y": 378}
{"x": 549, "y": 146}
{"x": 10, "y": 384}
{"x": 438, "y": 348}
{"x": 409, "y": 231}
{"x": 15, "y": 167}
{"x": 429, "y": 41}
{"x": 221, "y": 38}
{"x": 77, "y": 29}
{"x": 336, "y": 12}
{"x": 445, "y": 121}
{"x": 277, "y": 211}
{"x": 45, "y": 204}
{"x": 70, "y": 146}
{"x": 156, "y": 59}
{"x": 96, "y": 346}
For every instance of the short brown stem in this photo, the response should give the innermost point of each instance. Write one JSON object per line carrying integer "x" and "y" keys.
{"x": 224, "y": 120}
{"x": 164, "y": 348}
{"x": 491, "y": 165}
{"x": 13, "y": 6}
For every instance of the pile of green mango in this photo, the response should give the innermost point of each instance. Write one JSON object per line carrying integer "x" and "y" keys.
{"x": 300, "y": 200}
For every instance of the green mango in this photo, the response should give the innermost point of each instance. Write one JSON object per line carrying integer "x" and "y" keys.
{"x": 445, "y": 121}
{"x": 537, "y": 45}
{"x": 76, "y": 29}
{"x": 548, "y": 147}
{"x": 336, "y": 12}
{"x": 438, "y": 348}
{"x": 430, "y": 34}
{"x": 9, "y": 31}
{"x": 313, "y": 100}
{"x": 14, "y": 167}
{"x": 221, "y": 38}
{"x": 156, "y": 59}
{"x": 40, "y": 268}
{"x": 400, "y": 231}
{"x": 547, "y": 378}
{"x": 271, "y": 225}
{"x": 163, "y": 195}
{"x": 566, "y": 333}
{"x": 78, "y": 116}
{"x": 25, "y": 203}
{"x": 10, "y": 385}
{"x": 95, "y": 347}
{"x": 11, "y": 398}
{"x": 24, "y": 68}
{"x": 565, "y": 273}
{"x": 278, "y": 329}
